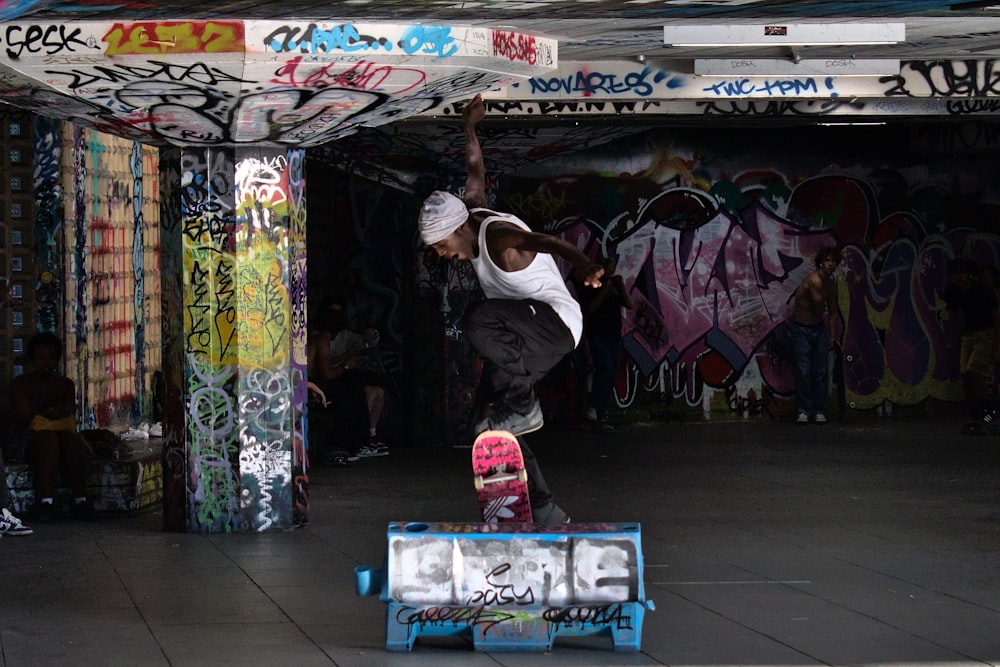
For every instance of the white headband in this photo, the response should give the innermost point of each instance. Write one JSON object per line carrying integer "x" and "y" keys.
{"x": 441, "y": 214}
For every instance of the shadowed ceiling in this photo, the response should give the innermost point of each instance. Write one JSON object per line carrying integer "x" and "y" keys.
{"x": 378, "y": 83}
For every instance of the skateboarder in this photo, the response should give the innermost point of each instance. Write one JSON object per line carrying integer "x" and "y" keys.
{"x": 529, "y": 320}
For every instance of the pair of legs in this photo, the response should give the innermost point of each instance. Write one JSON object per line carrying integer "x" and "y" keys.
{"x": 48, "y": 450}
{"x": 342, "y": 424}
{"x": 811, "y": 349}
{"x": 605, "y": 351}
{"x": 521, "y": 340}
{"x": 978, "y": 367}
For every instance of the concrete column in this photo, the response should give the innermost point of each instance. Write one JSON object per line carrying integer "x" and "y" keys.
{"x": 235, "y": 346}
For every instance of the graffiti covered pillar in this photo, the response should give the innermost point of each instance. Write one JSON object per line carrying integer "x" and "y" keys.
{"x": 236, "y": 360}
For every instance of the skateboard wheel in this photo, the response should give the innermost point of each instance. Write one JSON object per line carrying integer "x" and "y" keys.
{"x": 477, "y": 481}
{"x": 522, "y": 475}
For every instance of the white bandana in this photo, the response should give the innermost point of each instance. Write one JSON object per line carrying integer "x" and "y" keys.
{"x": 441, "y": 214}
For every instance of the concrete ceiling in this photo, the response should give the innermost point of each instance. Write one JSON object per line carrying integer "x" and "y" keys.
{"x": 326, "y": 75}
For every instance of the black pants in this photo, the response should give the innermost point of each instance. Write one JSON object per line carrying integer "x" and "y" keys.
{"x": 343, "y": 423}
{"x": 521, "y": 340}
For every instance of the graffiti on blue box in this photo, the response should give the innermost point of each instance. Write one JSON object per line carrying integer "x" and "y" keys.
{"x": 576, "y": 574}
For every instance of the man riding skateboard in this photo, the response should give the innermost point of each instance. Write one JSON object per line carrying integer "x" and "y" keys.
{"x": 529, "y": 320}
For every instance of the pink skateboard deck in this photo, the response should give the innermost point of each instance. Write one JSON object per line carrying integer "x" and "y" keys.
{"x": 500, "y": 479}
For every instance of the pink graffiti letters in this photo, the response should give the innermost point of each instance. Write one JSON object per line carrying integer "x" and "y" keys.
{"x": 361, "y": 76}
{"x": 514, "y": 46}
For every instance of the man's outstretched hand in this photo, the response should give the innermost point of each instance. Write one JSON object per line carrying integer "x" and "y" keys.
{"x": 474, "y": 110}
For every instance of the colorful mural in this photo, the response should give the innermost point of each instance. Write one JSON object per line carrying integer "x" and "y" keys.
{"x": 715, "y": 230}
{"x": 221, "y": 82}
{"x": 111, "y": 269}
{"x": 244, "y": 348}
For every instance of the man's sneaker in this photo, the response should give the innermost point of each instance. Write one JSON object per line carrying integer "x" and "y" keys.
{"x": 820, "y": 418}
{"x": 550, "y": 513}
{"x": 503, "y": 418}
{"x": 591, "y": 415}
{"x": 803, "y": 418}
{"x": 370, "y": 450}
{"x": 338, "y": 459}
{"x": 11, "y": 526}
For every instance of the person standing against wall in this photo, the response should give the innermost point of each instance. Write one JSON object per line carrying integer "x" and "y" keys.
{"x": 602, "y": 329}
{"x": 813, "y": 327}
{"x": 980, "y": 347}
{"x": 529, "y": 320}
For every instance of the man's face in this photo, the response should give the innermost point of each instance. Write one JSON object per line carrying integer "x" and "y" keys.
{"x": 962, "y": 277}
{"x": 46, "y": 358}
{"x": 828, "y": 266}
{"x": 453, "y": 246}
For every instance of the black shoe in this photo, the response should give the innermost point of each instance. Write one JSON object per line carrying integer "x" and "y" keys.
{"x": 83, "y": 511}
{"x": 45, "y": 512}
{"x": 337, "y": 459}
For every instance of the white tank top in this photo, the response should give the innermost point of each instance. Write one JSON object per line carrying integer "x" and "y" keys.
{"x": 540, "y": 280}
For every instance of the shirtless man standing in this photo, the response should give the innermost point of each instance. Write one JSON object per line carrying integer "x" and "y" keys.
{"x": 811, "y": 336}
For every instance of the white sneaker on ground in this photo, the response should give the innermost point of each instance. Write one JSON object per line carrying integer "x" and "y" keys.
{"x": 370, "y": 450}
{"x": 820, "y": 418}
{"x": 11, "y": 525}
{"x": 803, "y": 418}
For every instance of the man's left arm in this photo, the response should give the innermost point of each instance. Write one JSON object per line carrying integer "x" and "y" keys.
{"x": 589, "y": 270}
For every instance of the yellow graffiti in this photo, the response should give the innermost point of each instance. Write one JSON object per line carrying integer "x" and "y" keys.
{"x": 265, "y": 307}
{"x": 543, "y": 204}
{"x": 210, "y": 304}
{"x": 154, "y": 38}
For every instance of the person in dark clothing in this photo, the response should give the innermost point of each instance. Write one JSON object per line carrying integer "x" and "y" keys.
{"x": 342, "y": 411}
{"x": 602, "y": 329}
{"x": 980, "y": 347}
{"x": 814, "y": 327}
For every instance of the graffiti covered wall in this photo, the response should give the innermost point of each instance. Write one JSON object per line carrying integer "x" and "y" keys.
{"x": 243, "y": 340}
{"x": 112, "y": 275}
{"x": 714, "y": 230}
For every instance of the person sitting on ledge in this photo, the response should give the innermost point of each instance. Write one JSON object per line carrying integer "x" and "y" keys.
{"x": 45, "y": 404}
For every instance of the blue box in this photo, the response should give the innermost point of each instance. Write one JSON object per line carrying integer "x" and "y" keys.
{"x": 511, "y": 587}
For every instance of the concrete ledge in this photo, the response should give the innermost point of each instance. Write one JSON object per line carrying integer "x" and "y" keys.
{"x": 121, "y": 485}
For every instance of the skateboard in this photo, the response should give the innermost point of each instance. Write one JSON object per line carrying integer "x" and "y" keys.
{"x": 500, "y": 478}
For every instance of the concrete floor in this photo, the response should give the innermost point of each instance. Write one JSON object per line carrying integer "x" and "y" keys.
{"x": 873, "y": 542}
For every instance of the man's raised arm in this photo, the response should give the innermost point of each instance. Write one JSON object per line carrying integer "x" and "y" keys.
{"x": 475, "y": 179}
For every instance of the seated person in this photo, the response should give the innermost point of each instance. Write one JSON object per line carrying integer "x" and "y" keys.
{"x": 342, "y": 399}
{"x": 363, "y": 370}
{"x": 45, "y": 403}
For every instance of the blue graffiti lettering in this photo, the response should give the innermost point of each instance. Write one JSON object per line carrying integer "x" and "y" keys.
{"x": 780, "y": 88}
{"x": 593, "y": 83}
{"x": 431, "y": 39}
